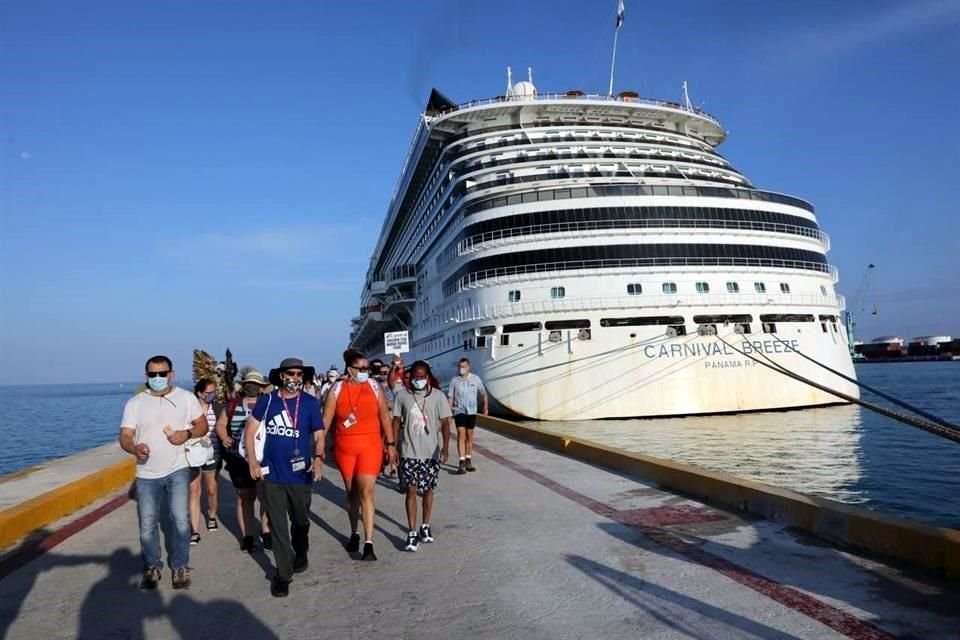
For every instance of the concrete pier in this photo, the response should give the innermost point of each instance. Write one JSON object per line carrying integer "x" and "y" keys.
{"x": 532, "y": 545}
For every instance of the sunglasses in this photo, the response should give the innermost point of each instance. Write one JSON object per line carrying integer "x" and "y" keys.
{"x": 157, "y": 374}
{"x": 362, "y": 368}
{"x": 293, "y": 374}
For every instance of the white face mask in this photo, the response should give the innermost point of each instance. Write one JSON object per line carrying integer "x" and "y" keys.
{"x": 463, "y": 371}
{"x": 419, "y": 385}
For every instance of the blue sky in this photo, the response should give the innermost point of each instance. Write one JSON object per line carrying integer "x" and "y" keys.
{"x": 211, "y": 174}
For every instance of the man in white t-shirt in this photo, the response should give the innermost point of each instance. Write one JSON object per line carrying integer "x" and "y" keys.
{"x": 156, "y": 423}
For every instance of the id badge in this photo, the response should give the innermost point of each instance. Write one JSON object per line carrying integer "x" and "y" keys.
{"x": 298, "y": 464}
{"x": 350, "y": 421}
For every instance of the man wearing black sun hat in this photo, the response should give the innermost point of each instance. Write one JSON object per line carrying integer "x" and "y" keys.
{"x": 290, "y": 424}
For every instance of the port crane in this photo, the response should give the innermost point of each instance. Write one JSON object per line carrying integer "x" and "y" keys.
{"x": 858, "y": 296}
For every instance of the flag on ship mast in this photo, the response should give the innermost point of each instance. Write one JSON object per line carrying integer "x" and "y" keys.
{"x": 616, "y": 32}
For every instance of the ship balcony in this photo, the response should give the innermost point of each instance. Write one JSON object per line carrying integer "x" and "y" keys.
{"x": 502, "y": 237}
{"x": 644, "y": 302}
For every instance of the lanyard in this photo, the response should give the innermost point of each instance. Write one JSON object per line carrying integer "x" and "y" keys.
{"x": 353, "y": 405}
{"x": 423, "y": 409}
{"x": 296, "y": 409}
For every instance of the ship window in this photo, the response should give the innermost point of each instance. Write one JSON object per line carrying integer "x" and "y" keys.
{"x": 823, "y": 326}
{"x": 823, "y": 290}
{"x": 634, "y": 289}
{"x": 733, "y": 287}
{"x": 669, "y": 287}
{"x": 735, "y": 318}
{"x": 514, "y": 296}
{"x": 481, "y": 342}
{"x": 504, "y": 340}
{"x": 645, "y": 321}
{"x": 784, "y": 287}
{"x": 769, "y": 327}
{"x": 487, "y": 331}
{"x": 703, "y": 287}
{"x": 558, "y": 292}
{"x": 566, "y": 324}
{"x": 760, "y": 287}
{"x": 521, "y": 327}
{"x": 786, "y": 317}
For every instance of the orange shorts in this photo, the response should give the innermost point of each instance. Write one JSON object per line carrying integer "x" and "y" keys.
{"x": 359, "y": 455}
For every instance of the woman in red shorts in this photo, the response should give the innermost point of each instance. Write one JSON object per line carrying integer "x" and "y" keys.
{"x": 356, "y": 409}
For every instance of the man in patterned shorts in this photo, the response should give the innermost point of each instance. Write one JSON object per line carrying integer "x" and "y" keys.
{"x": 424, "y": 414}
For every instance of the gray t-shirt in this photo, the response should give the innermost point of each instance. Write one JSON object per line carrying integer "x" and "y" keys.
{"x": 420, "y": 414}
{"x": 464, "y": 392}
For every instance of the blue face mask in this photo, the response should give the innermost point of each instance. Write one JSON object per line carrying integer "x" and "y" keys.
{"x": 419, "y": 385}
{"x": 362, "y": 376}
{"x": 209, "y": 397}
{"x": 158, "y": 384}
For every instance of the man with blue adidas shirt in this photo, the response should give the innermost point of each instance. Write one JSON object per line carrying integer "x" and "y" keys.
{"x": 292, "y": 443}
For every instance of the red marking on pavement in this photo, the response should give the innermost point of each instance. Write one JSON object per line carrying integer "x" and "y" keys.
{"x": 669, "y": 515}
{"x": 826, "y": 614}
{"x": 33, "y": 549}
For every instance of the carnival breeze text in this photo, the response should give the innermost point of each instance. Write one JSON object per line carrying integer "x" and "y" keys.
{"x": 699, "y": 350}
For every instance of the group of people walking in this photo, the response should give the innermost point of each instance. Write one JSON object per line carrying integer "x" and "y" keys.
{"x": 274, "y": 445}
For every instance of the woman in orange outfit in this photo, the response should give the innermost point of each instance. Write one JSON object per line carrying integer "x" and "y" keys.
{"x": 357, "y": 409}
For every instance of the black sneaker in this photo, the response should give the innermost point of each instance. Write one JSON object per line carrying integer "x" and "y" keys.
{"x": 279, "y": 588}
{"x": 353, "y": 545}
{"x": 151, "y": 578}
{"x": 470, "y": 466}
{"x": 267, "y": 539}
{"x": 300, "y": 563}
{"x": 194, "y": 539}
{"x": 181, "y": 578}
{"x": 212, "y": 524}
{"x": 413, "y": 542}
{"x": 247, "y": 544}
{"x": 462, "y": 468}
{"x": 368, "y": 553}
{"x": 425, "y": 534}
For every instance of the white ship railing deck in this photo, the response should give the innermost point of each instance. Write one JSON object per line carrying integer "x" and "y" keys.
{"x": 501, "y": 237}
{"x": 574, "y": 97}
{"x": 643, "y": 303}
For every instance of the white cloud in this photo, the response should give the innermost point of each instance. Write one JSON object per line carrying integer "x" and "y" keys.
{"x": 899, "y": 21}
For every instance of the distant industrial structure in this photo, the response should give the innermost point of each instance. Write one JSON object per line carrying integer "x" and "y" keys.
{"x": 896, "y": 349}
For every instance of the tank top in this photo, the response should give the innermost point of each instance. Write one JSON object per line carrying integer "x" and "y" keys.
{"x": 364, "y": 403}
{"x": 237, "y": 423}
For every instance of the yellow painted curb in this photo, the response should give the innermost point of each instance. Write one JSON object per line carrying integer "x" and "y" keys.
{"x": 933, "y": 548}
{"x": 27, "y": 517}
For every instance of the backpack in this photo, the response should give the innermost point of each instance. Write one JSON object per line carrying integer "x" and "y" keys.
{"x": 261, "y": 436}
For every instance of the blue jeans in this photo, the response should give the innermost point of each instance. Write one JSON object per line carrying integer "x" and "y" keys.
{"x": 150, "y": 494}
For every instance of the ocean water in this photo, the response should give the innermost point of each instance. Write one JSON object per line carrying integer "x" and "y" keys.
{"x": 845, "y": 453}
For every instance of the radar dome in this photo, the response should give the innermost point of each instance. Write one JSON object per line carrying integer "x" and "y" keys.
{"x": 524, "y": 90}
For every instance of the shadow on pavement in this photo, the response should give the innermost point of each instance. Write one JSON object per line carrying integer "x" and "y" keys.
{"x": 657, "y": 602}
{"x": 338, "y": 497}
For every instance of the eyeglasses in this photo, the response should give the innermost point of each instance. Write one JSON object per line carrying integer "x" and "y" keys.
{"x": 157, "y": 374}
{"x": 293, "y": 374}
{"x": 384, "y": 372}
{"x": 362, "y": 368}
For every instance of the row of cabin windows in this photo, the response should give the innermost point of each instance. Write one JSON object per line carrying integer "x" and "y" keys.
{"x": 636, "y": 289}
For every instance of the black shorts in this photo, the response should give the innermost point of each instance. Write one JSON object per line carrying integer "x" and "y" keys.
{"x": 465, "y": 420}
{"x": 239, "y": 471}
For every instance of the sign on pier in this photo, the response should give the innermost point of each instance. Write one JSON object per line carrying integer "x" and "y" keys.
{"x": 396, "y": 342}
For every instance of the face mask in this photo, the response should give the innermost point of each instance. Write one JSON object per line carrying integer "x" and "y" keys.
{"x": 292, "y": 385}
{"x": 362, "y": 376}
{"x": 158, "y": 384}
{"x": 463, "y": 371}
{"x": 419, "y": 385}
{"x": 251, "y": 390}
{"x": 209, "y": 397}
{"x": 382, "y": 377}
{"x": 332, "y": 377}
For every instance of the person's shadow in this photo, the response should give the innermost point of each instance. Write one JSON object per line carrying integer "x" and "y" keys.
{"x": 216, "y": 619}
{"x": 338, "y": 497}
{"x": 20, "y": 569}
{"x": 115, "y": 606}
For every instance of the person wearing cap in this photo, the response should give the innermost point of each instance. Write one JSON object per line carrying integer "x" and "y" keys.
{"x": 155, "y": 425}
{"x": 230, "y": 423}
{"x": 292, "y": 460}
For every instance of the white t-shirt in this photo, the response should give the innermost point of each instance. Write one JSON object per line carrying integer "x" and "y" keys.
{"x": 148, "y": 415}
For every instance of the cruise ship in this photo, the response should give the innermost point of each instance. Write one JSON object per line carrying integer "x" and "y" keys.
{"x": 594, "y": 256}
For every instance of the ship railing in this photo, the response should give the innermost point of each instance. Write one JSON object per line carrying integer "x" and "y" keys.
{"x": 585, "y": 267}
{"x": 591, "y": 97}
{"x": 639, "y": 303}
{"x": 626, "y": 225}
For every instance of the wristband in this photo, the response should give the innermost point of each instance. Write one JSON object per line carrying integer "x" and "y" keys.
{"x": 391, "y": 444}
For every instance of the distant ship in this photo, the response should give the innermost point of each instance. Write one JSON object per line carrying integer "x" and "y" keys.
{"x": 587, "y": 253}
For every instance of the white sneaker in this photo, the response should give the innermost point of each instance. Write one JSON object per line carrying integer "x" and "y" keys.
{"x": 413, "y": 542}
{"x": 425, "y": 534}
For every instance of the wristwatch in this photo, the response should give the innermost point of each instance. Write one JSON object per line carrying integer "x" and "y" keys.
{"x": 391, "y": 444}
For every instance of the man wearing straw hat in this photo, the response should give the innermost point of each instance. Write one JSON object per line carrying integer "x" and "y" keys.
{"x": 292, "y": 440}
